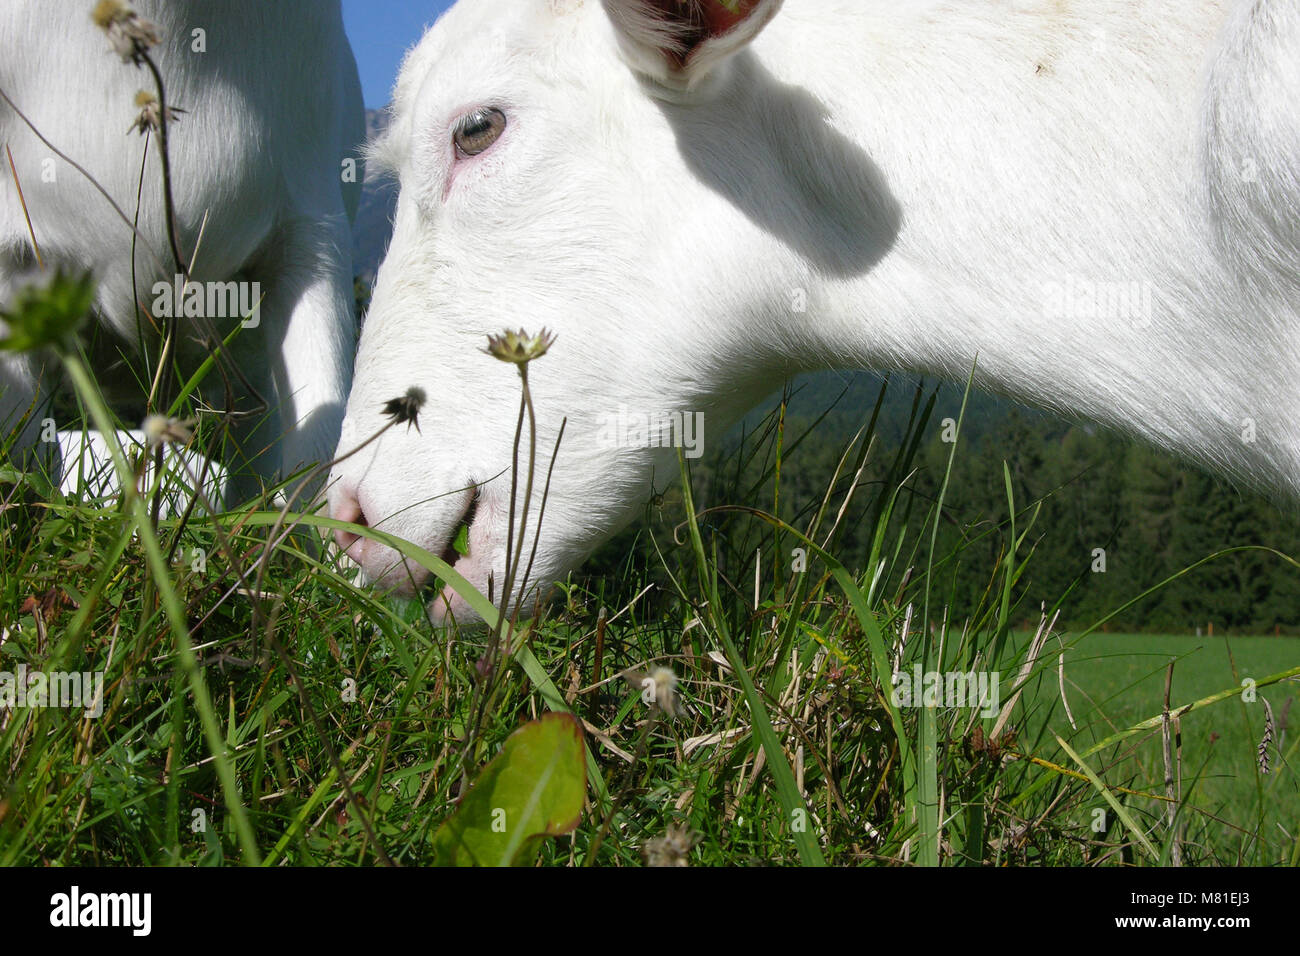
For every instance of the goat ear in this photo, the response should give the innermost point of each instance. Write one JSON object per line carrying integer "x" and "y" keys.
{"x": 678, "y": 42}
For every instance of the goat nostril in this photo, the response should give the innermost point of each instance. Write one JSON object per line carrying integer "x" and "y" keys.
{"x": 348, "y": 509}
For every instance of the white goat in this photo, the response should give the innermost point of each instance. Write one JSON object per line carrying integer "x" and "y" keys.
{"x": 263, "y": 165}
{"x": 1098, "y": 200}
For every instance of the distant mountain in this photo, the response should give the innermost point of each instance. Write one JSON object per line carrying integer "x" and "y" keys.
{"x": 374, "y": 225}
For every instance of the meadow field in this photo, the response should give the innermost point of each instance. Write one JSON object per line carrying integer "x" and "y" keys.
{"x": 1120, "y": 678}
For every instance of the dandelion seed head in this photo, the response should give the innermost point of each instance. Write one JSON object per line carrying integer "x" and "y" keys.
{"x": 658, "y": 687}
{"x": 161, "y": 430}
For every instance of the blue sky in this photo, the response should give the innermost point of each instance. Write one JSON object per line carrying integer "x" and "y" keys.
{"x": 381, "y": 31}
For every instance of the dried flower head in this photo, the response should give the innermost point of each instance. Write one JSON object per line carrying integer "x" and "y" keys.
{"x": 406, "y": 408}
{"x": 671, "y": 849}
{"x": 519, "y": 348}
{"x": 150, "y": 117}
{"x": 131, "y": 35}
{"x": 161, "y": 430}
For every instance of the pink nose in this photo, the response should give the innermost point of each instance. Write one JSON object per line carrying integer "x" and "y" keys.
{"x": 381, "y": 566}
{"x": 347, "y": 508}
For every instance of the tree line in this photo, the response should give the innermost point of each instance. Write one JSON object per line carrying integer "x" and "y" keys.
{"x": 1108, "y": 518}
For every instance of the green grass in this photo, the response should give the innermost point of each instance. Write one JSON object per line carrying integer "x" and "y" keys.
{"x": 347, "y": 726}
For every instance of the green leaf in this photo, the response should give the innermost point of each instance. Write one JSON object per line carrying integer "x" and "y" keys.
{"x": 532, "y": 789}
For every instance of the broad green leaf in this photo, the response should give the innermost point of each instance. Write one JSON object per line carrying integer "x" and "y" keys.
{"x": 532, "y": 789}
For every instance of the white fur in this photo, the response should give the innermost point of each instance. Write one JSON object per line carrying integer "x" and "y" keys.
{"x": 932, "y": 174}
{"x": 273, "y": 110}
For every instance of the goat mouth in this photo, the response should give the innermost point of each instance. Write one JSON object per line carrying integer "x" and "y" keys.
{"x": 441, "y": 599}
{"x": 450, "y": 554}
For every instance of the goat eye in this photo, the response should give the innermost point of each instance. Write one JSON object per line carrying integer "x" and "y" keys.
{"x": 479, "y": 130}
